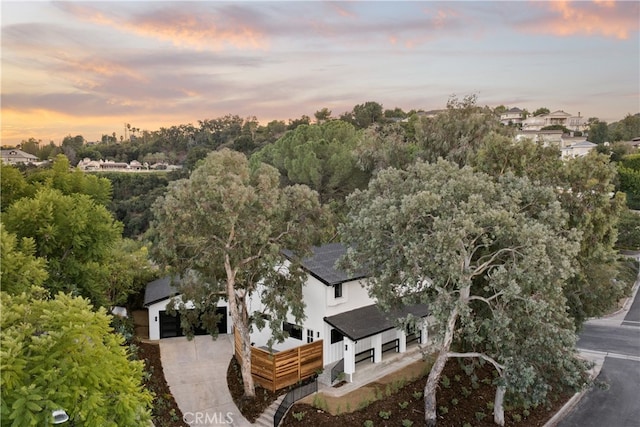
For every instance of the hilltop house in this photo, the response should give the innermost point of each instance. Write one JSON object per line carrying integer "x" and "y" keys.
{"x": 511, "y": 117}
{"x": 15, "y": 156}
{"x": 338, "y": 311}
{"x": 557, "y": 118}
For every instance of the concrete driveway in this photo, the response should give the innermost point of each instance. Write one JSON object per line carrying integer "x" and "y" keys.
{"x": 196, "y": 372}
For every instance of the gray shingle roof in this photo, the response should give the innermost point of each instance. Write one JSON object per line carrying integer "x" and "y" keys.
{"x": 159, "y": 290}
{"x": 322, "y": 264}
{"x": 370, "y": 320}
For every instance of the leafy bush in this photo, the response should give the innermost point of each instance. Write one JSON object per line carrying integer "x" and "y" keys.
{"x": 385, "y": 415}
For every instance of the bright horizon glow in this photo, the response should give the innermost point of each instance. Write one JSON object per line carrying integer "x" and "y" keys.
{"x": 87, "y": 68}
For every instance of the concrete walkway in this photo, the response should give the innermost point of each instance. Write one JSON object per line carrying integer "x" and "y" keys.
{"x": 196, "y": 372}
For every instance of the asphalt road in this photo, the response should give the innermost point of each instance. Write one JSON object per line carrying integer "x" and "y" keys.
{"x": 623, "y": 340}
{"x": 617, "y": 339}
{"x": 616, "y": 407}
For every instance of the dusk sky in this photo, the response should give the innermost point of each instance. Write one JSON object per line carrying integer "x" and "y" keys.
{"x": 87, "y": 68}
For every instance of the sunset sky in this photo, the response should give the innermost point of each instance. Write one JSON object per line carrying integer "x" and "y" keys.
{"x": 87, "y": 68}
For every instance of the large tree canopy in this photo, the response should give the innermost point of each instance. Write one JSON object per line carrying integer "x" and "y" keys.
{"x": 585, "y": 188}
{"x": 490, "y": 258}
{"x": 20, "y": 267}
{"x": 456, "y": 133}
{"x": 320, "y": 156}
{"x": 74, "y": 234}
{"x": 61, "y": 354}
{"x": 223, "y": 230}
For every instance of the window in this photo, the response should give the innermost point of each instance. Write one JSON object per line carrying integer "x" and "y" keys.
{"x": 309, "y": 335}
{"x": 294, "y": 331}
{"x": 337, "y": 290}
{"x": 336, "y": 336}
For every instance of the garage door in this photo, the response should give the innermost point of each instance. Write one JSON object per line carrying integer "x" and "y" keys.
{"x": 170, "y": 325}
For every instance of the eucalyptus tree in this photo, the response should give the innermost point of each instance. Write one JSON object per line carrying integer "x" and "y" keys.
{"x": 382, "y": 146}
{"x": 585, "y": 187}
{"x": 489, "y": 257}
{"x": 457, "y": 132}
{"x": 223, "y": 230}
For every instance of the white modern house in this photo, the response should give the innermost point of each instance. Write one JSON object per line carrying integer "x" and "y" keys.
{"x": 338, "y": 311}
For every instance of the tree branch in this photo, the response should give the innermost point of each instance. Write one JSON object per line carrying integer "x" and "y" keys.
{"x": 483, "y": 267}
{"x": 495, "y": 364}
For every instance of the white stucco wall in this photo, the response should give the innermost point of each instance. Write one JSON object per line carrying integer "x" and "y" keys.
{"x": 353, "y": 296}
{"x": 319, "y": 303}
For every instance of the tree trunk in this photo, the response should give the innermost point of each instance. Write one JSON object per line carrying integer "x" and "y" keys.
{"x": 430, "y": 389}
{"x": 237, "y": 310}
{"x": 498, "y": 409}
{"x": 245, "y": 368}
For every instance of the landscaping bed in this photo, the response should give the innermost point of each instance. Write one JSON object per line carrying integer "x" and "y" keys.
{"x": 165, "y": 412}
{"x": 463, "y": 400}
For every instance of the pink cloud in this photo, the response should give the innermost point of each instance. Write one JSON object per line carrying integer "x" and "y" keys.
{"x": 204, "y": 30}
{"x": 601, "y": 17}
{"x": 436, "y": 20}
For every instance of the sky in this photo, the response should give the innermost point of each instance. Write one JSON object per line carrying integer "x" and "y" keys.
{"x": 87, "y": 68}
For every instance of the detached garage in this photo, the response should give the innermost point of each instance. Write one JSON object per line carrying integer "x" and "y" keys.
{"x": 163, "y": 325}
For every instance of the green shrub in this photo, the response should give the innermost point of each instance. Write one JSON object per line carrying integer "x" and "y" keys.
{"x": 368, "y": 423}
{"x": 480, "y": 416}
{"x": 417, "y": 394}
{"x": 403, "y": 405}
{"x": 407, "y": 423}
{"x": 388, "y": 392}
{"x": 385, "y": 415}
{"x": 299, "y": 415}
{"x": 454, "y": 401}
{"x": 445, "y": 381}
{"x": 319, "y": 402}
{"x": 444, "y": 410}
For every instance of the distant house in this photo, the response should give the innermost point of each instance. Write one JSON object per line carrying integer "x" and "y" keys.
{"x": 15, "y": 157}
{"x": 513, "y": 116}
{"x": 546, "y": 137}
{"x": 578, "y": 149}
{"x": 557, "y": 118}
{"x": 339, "y": 312}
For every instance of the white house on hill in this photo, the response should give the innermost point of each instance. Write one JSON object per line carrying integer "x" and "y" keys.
{"x": 338, "y": 311}
{"x": 15, "y": 156}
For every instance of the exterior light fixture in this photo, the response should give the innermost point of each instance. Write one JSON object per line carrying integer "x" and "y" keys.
{"x": 59, "y": 416}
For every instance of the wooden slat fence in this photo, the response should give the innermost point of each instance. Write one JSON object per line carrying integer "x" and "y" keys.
{"x": 279, "y": 370}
